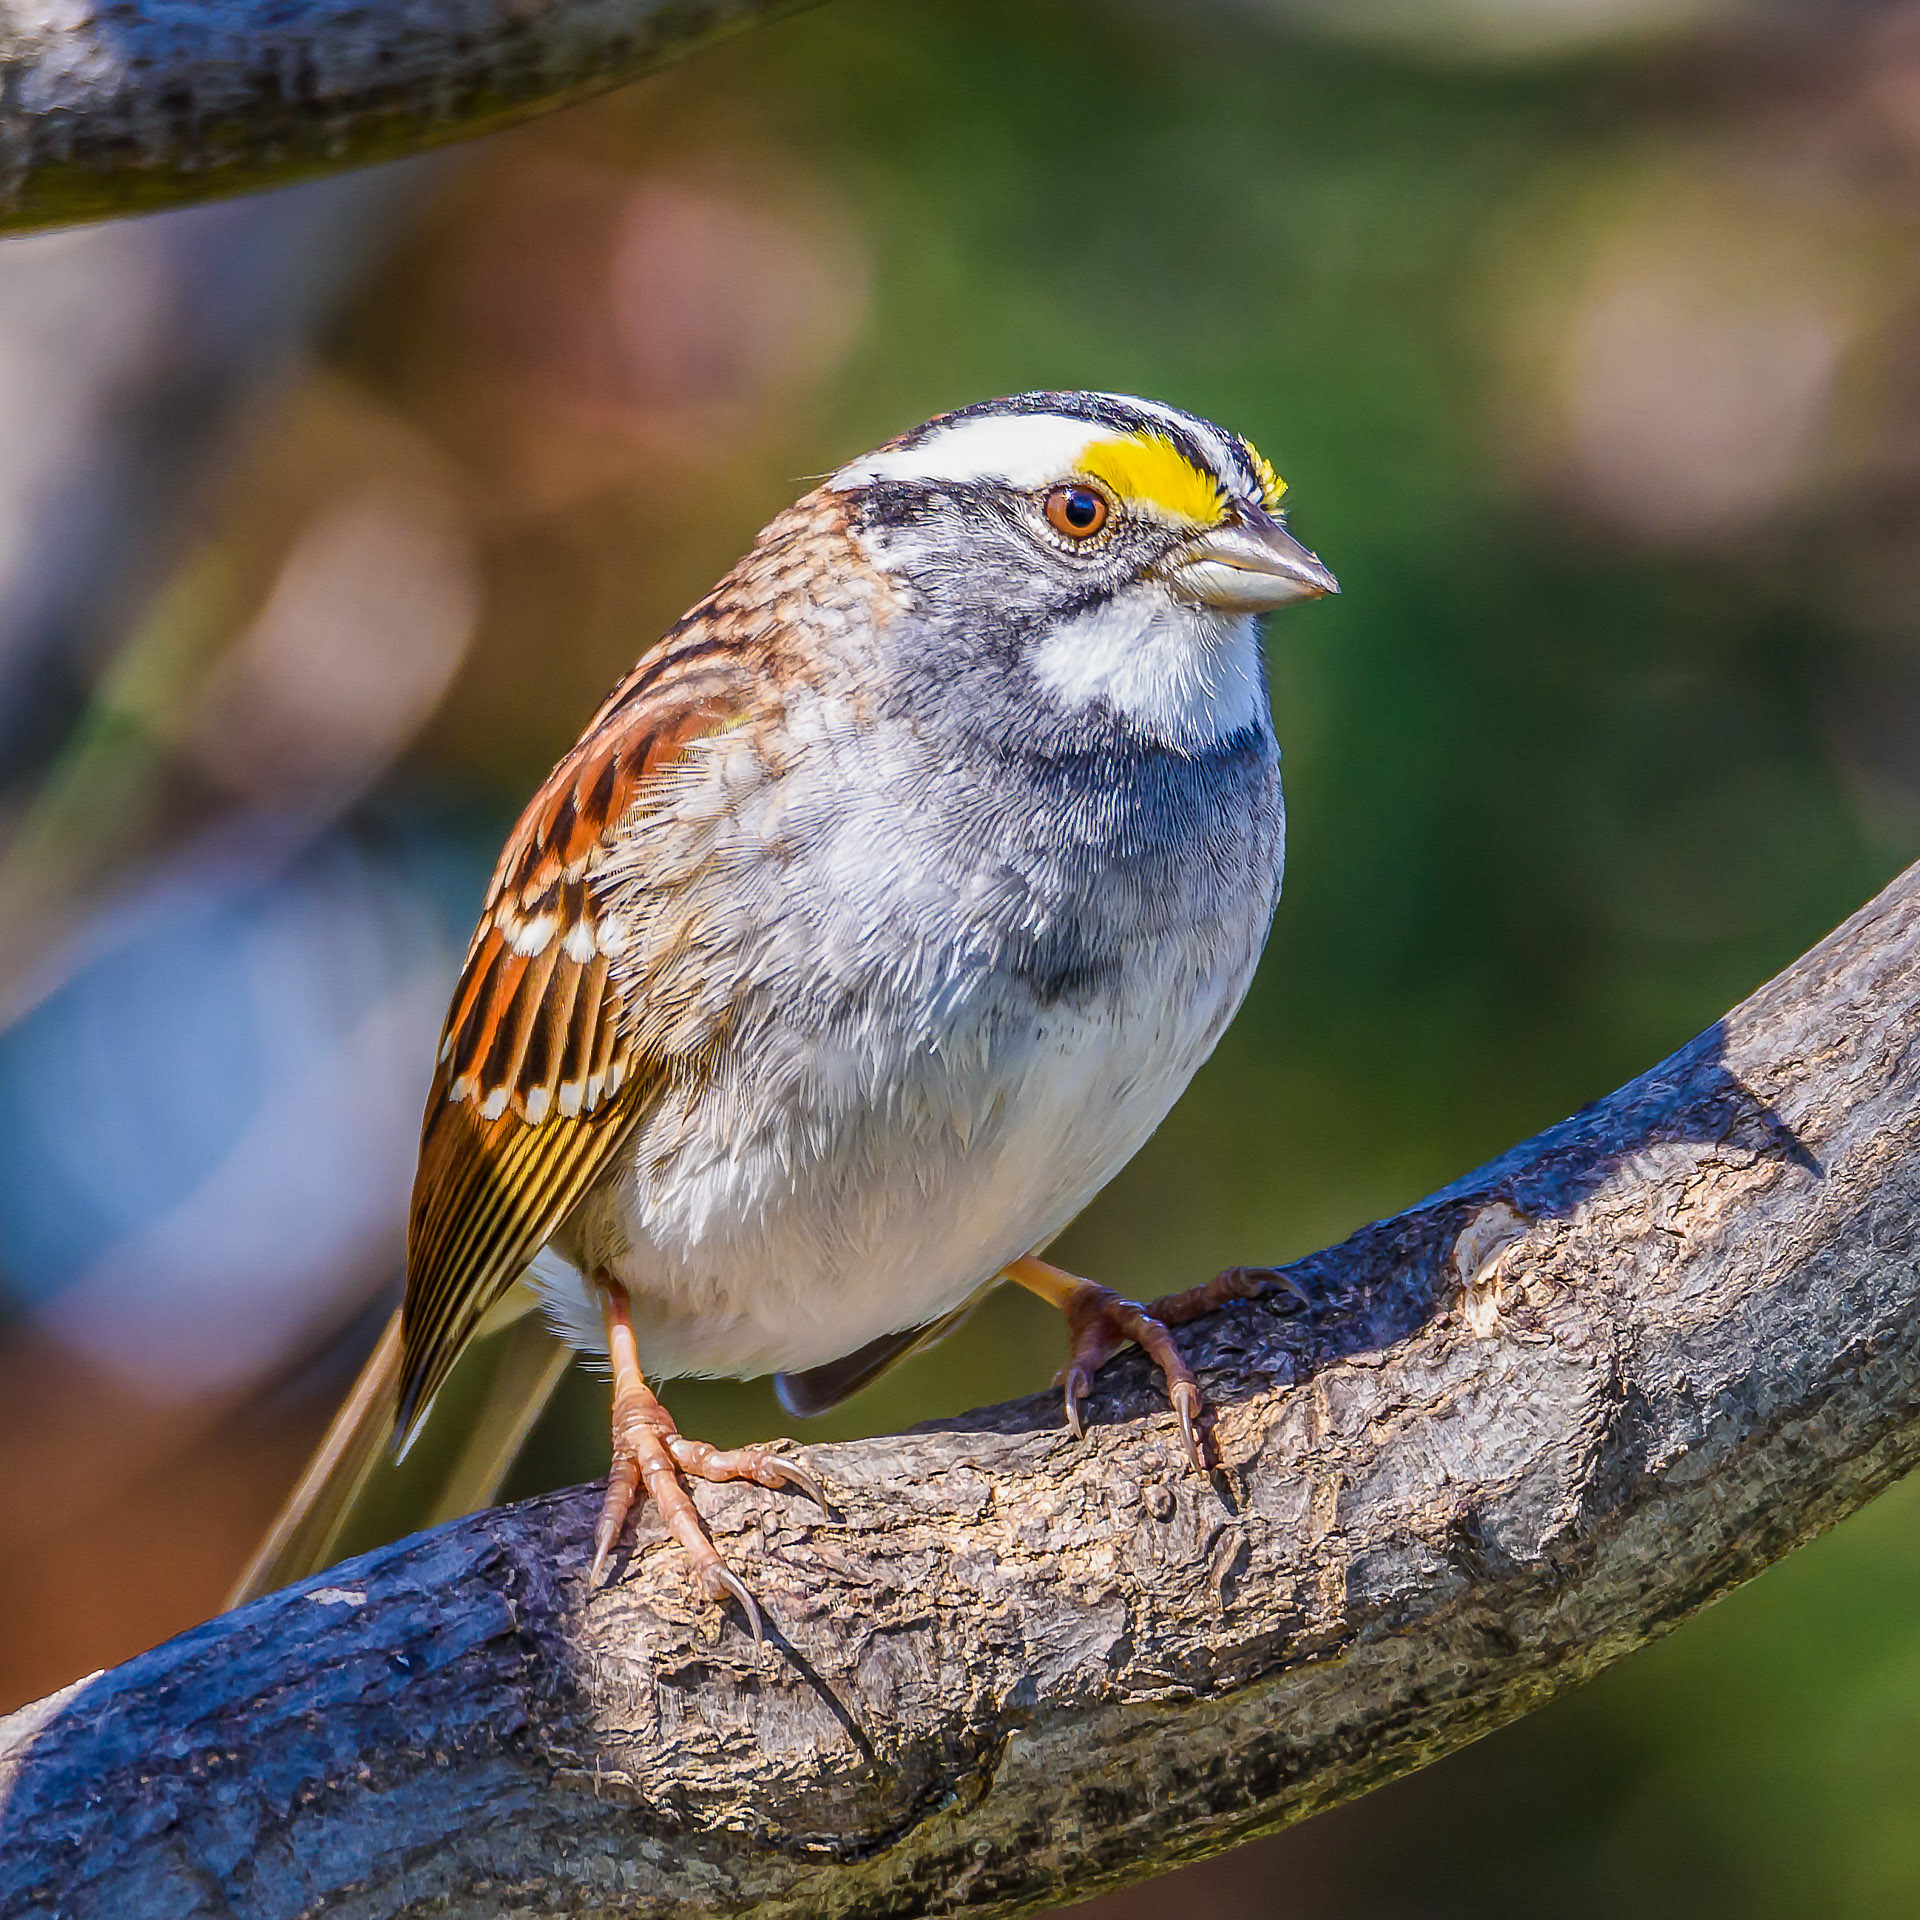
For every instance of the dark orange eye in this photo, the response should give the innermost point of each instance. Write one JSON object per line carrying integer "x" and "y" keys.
{"x": 1078, "y": 512}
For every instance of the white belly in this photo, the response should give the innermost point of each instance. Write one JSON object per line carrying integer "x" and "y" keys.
{"x": 753, "y": 1246}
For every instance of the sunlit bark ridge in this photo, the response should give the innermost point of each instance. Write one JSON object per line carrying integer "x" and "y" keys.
{"x": 116, "y": 106}
{"x": 1529, "y": 1425}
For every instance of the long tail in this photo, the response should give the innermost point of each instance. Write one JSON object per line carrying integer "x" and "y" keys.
{"x": 350, "y": 1480}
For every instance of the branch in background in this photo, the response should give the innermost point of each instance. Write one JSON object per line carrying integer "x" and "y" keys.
{"x": 121, "y": 106}
{"x": 1531, "y": 1424}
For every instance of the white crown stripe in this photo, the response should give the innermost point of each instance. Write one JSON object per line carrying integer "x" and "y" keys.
{"x": 1016, "y": 450}
{"x": 1031, "y": 449}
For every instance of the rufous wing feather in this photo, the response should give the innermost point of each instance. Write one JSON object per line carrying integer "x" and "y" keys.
{"x": 542, "y": 1073}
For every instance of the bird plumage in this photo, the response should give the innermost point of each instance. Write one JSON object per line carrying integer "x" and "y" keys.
{"x": 880, "y": 913}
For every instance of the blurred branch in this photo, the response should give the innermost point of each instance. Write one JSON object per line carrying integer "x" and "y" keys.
{"x": 124, "y": 107}
{"x": 1530, "y": 1424}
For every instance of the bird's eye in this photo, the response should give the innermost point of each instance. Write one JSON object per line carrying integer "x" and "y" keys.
{"x": 1077, "y": 512}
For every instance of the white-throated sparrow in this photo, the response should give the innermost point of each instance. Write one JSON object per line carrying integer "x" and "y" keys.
{"x": 874, "y": 923}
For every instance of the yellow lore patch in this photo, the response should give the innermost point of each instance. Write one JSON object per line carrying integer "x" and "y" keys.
{"x": 1271, "y": 485}
{"x": 1148, "y": 470}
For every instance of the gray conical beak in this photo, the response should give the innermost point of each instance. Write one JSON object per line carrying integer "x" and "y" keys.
{"x": 1248, "y": 566}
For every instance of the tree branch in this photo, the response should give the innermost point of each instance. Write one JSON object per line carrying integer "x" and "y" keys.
{"x": 121, "y": 106}
{"x": 1530, "y": 1424}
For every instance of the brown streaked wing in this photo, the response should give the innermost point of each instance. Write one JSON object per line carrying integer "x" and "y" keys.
{"x": 539, "y": 1079}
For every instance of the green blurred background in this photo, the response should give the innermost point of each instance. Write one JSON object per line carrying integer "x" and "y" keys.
{"x": 1586, "y": 332}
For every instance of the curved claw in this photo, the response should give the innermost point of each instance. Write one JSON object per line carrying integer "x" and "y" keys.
{"x": 1187, "y": 1403}
{"x": 794, "y": 1474}
{"x": 722, "y": 1576}
{"x": 1075, "y": 1387}
{"x": 623, "y": 1483}
{"x": 602, "y": 1551}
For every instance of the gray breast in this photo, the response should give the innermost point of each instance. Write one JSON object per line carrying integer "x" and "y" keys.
{"x": 889, "y": 883}
{"x": 1065, "y": 848}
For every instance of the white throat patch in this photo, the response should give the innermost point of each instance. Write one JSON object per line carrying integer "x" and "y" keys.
{"x": 1184, "y": 675}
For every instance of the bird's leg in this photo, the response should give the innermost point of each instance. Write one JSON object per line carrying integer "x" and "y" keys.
{"x": 1100, "y": 1323}
{"x": 649, "y": 1450}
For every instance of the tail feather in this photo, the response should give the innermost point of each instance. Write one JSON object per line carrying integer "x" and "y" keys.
{"x": 530, "y": 1364}
{"x": 818, "y": 1389}
{"x": 351, "y": 1477}
{"x": 302, "y": 1538}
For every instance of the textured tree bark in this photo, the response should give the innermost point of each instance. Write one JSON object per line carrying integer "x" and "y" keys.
{"x": 1527, "y": 1426}
{"x": 118, "y": 106}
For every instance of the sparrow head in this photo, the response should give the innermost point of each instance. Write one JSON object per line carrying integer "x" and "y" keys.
{"x": 1119, "y": 549}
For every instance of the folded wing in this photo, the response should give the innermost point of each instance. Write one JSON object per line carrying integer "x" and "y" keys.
{"x": 543, "y": 1072}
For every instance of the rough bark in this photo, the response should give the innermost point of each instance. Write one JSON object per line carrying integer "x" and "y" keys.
{"x": 118, "y": 106}
{"x": 1527, "y": 1426}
